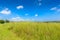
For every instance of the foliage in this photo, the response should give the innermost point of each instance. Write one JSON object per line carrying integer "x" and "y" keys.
{"x": 1, "y": 21}
{"x": 7, "y": 21}
{"x": 4, "y": 21}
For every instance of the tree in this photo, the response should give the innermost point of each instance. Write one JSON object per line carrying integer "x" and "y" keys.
{"x": 4, "y": 21}
{"x": 7, "y": 21}
{"x": 1, "y": 21}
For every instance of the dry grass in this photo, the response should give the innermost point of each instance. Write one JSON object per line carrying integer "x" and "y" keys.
{"x": 30, "y": 31}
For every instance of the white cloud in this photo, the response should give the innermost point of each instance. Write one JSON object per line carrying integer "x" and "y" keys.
{"x": 5, "y": 11}
{"x": 17, "y": 19}
{"x": 20, "y": 7}
{"x": 56, "y": 9}
{"x": 36, "y": 15}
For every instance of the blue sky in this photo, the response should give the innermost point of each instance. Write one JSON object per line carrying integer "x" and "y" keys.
{"x": 30, "y": 10}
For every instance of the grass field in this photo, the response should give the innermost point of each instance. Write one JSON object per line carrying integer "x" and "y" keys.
{"x": 30, "y": 31}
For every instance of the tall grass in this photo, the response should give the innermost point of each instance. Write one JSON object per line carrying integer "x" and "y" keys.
{"x": 30, "y": 31}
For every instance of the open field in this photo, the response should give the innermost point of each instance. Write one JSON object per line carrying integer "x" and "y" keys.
{"x": 30, "y": 31}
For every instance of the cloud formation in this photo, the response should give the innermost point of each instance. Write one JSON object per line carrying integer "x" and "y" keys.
{"x": 5, "y": 11}
{"x": 56, "y": 9}
{"x": 17, "y": 19}
{"x": 36, "y": 15}
{"x": 20, "y": 7}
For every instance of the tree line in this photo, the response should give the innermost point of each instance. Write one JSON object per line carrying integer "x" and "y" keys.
{"x": 4, "y": 21}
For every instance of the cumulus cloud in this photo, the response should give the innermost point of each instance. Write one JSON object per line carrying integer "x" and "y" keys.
{"x": 20, "y": 7}
{"x": 5, "y": 11}
{"x": 36, "y": 15}
{"x": 17, "y": 19}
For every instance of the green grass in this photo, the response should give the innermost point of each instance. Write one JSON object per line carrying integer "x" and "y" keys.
{"x": 30, "y": 31}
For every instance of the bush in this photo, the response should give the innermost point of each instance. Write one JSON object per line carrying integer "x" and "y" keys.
{"x": 4, "y": 21}
{"x": 1, "y": 21}
{"x": 7, "y": 21}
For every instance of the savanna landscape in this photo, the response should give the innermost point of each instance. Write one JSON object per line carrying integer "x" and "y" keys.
{"x": 30, "y": 31}
{"x": 29, "y": 19}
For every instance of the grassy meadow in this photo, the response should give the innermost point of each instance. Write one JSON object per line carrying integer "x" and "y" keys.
{"x": 30, "y": 31}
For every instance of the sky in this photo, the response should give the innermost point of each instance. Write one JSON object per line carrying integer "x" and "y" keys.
{"x": 30, "y": 10}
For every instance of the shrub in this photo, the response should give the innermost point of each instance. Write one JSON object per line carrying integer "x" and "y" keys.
{"x": 1, "y": 21}
{"x": 7, "y": 21}
{"x": 4, "y": 21}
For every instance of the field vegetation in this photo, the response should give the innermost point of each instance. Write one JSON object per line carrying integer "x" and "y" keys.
{"x": 30, "y": 31}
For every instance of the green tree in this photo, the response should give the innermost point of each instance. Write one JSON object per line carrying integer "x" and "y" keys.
{"x": 1, "y": 21}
